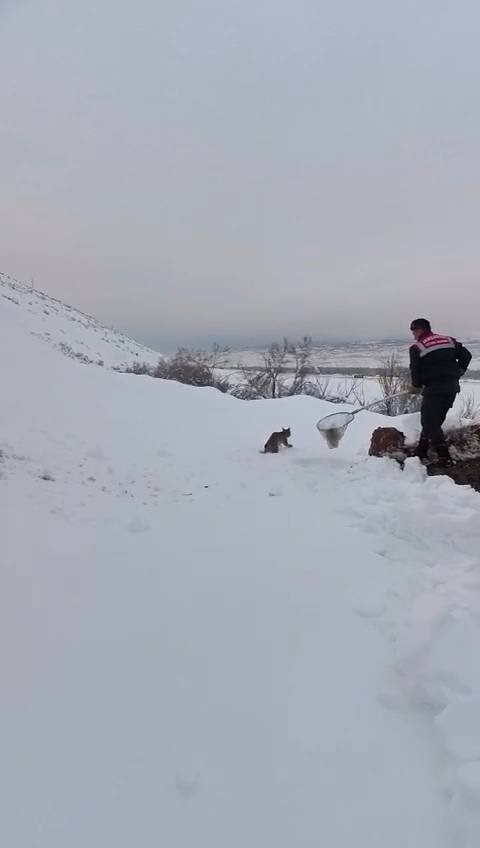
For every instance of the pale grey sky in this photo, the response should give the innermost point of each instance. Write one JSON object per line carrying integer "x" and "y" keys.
{"x": 243, "y": 169}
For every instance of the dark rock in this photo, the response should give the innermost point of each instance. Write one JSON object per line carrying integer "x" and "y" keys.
{"x": 388, "y": 441}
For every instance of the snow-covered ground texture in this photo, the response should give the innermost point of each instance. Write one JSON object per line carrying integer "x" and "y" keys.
{"x": 207, "y": 647}
{"x": 75, "y": 334}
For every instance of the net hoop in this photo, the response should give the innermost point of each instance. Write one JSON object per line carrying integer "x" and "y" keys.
{"x": 333, "y": 427}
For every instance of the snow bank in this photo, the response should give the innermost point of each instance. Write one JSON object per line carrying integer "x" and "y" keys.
{"x": 205, "y": 646}
{"x": 431, "y": 530}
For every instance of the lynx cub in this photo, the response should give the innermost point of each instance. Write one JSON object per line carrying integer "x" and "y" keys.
{"x": 273, "y": 444}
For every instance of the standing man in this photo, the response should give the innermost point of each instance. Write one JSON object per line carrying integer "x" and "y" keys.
{"x": 436, "y": 365}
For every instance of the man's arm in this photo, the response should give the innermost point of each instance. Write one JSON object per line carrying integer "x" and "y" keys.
{"x": 464, "y": 357}
{"x": 415, "y": 367}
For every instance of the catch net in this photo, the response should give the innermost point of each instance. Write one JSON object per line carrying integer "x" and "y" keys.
{"x": 333, "y": 427}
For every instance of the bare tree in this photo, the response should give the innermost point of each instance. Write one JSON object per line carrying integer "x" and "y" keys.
{"x": 352, "y": 391}
{"x": 287, "y": 370}
{"x": 218, "y": 357}
{"x": 265, "y": 381}
{"x": 252, "y": 385}
{"x": 393, "y": 380}
{"x": 274, "y": 361}
{"x": 318, "y": 387}
{"x": 283, "y": 371}
{"x": 300, "y": 354}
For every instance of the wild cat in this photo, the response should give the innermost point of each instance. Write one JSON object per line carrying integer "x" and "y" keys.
{"x": 276, "y": 440}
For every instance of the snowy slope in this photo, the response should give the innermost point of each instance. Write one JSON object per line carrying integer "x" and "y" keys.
{"x": 72, "y": 332}
{"x": 206, "y": 647}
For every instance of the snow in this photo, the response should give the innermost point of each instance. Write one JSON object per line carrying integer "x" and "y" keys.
{"x": 72, "y": 332}
{"x": 203, "y": 646}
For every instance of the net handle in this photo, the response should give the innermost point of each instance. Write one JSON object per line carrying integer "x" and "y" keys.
{"x": 338, "y": 432}
{"x": 382, "y": 400}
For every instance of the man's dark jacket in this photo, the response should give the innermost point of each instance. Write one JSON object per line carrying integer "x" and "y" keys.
{"x": 437, "y": 363}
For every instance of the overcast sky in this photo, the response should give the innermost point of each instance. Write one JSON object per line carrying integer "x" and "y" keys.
{"x": 243, "y": 169}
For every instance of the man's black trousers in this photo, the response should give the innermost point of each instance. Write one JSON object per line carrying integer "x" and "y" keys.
{"x": 433, "y": 413}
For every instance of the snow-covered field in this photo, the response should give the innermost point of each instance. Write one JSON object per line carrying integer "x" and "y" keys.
{"x": 367, "y": 390}
{"x": 364, "y": 390}
{"x": 354, "y": 355}
{"x": 206, "y": 647}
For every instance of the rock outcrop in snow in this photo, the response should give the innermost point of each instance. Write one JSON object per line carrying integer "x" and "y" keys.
{"x": 464, "y": 444}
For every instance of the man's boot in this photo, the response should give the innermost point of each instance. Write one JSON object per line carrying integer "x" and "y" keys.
{"x": 443, "y": 454}
{"x": 422, "y": 449}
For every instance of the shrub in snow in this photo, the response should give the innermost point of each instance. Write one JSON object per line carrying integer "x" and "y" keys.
{"x": 469, "y": 408}
{"x": 191, "y": 367}
{"x": 394, "y": 379}
{"x": 139, "y": 368}
{"x": 184, "y": 368}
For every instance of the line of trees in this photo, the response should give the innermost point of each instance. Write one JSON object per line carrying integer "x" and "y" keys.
{"x": 286, "y": 369}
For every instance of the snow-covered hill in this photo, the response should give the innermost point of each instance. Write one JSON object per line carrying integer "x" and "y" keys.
{"x": 206, "y": 647}
{"x": 72, "y": 332}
